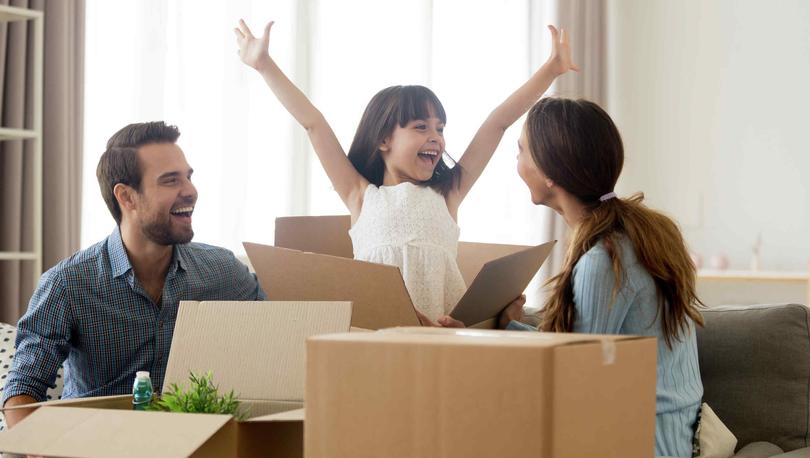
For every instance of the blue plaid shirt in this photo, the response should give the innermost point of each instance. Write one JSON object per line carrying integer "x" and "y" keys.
{"x": 91, "y": 313}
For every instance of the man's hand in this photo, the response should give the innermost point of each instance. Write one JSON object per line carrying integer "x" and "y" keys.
{"x": 15, "y": 416}
{"x": 513, "y": 311}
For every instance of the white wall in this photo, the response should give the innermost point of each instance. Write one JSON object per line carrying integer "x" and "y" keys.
{"x": 712, "y": 98}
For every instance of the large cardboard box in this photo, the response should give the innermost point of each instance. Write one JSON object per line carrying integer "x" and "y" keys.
{"x": 330, "y": 235}
{"x": 312, "y": 260}
{"x": 255, "y": 348}
{"x": 426, "y": 392}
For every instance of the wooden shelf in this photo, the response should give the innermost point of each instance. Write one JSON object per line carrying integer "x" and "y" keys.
{"x": 18, "y": 256}
{"x": 34, "y": 23}
{"x": 17, "y": 134}
{"x": 11, "y": 14}
{"x": 763, "y": 275}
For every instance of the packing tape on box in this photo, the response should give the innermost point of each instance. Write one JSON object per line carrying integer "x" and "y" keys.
{"x": 608, "y": 352}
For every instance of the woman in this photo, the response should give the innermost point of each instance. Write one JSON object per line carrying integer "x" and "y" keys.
{"x": 627, "y": 269}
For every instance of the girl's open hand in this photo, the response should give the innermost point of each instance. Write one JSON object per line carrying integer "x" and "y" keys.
{"x": 252, "y": 50}
{"x": 560, "y": 60}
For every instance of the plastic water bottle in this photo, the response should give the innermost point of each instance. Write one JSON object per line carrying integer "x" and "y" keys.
{"x": 141, "y": 390}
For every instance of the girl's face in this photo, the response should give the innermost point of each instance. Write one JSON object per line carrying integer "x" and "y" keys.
{"x": 412, "y": 152}
{"x": 535, "y": 179}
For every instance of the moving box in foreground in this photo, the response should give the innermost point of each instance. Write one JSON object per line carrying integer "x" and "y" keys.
{"x": 424, "y": 392}
{"x": 256, "y": 349}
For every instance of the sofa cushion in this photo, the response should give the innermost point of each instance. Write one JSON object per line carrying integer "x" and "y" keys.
{"x": 758, "y": 450}
{"x": 8, "y": 334}
{"x": 755, "y": 366}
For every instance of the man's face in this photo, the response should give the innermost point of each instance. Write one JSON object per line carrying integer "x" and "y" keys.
{"x": 167, "y": 196}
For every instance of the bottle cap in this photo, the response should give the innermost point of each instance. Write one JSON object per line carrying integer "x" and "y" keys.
{"x": 142, "y": 374}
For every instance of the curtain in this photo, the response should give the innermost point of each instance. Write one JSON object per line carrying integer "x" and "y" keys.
{"x": 62, "y": 144}
{"x": 585, "y": 21}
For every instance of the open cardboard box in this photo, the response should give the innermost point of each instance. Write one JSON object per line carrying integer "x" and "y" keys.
{"x": 256, "y": 349}
{"x": 312, "y": 260}
{"x": 409, "y": 392}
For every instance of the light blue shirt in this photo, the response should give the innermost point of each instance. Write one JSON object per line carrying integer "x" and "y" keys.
{"x": 634, "y": 311}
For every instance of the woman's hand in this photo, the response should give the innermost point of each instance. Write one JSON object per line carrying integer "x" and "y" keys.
{"x": 560, "y": 60}
{"x": 424, "y": 320}
{"x": 513, "y": 311}
{"x": 449, "y": 322}
{"x": 252, "y": 50}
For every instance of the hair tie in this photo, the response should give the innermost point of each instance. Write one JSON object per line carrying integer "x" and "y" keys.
{"x": 608, "y": 196}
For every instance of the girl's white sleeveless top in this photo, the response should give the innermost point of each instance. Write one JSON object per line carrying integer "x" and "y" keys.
{"x": 409, "y": 226}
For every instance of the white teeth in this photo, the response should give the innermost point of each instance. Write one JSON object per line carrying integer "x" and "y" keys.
{"x": 183, "y": 210}
{"x": 430, "y": 153}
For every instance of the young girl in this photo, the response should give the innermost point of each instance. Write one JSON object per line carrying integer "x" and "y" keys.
{"x": 627, "y": 270}
{"x": 402, "y": 197}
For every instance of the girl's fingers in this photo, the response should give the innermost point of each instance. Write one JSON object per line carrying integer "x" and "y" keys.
{"x": 267, "y": 29}
{"x": 239, "y": 34}
{"x": 564, "y": 37}
{"x": 555, "y": 35}
{"x": 245, "y": 29}
{"x": 575, "y": 67}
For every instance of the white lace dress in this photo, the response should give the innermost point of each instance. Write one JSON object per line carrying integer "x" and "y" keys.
{"x": 409, "y": 226}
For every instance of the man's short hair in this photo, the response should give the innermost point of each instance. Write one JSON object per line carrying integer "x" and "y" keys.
{"x": 119, "y": 163}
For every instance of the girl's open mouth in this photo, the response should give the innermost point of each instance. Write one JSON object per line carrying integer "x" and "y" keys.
{"x": 429, "y": 156}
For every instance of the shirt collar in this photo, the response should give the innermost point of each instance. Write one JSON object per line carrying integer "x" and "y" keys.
{"x": 119, "y": 261}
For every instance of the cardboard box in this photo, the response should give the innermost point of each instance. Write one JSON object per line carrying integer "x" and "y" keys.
{"x": 330, "y": 235}
{"x": 427, "y": 392}
{"x": 312, "y": 261}
{"x": 255, "y": 348}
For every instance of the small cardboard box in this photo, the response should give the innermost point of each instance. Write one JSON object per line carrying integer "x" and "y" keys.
{"x": 255, "y": 348}
{"x": 312, "y": 260}
{"x": 423, "y": 392}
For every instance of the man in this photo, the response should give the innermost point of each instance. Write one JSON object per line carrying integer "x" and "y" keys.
{"x": 109, "y": 311}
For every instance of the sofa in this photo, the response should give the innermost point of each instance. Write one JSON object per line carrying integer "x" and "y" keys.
{"x": 8, "y": 335}
{"x": 755, "y": 366}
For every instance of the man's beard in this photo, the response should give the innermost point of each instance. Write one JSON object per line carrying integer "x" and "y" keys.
{"x": 159, "y": 230}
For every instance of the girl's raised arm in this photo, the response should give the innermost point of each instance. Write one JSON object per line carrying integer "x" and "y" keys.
{"x": 486, "y": 140}
{"x": 348, "y": 183}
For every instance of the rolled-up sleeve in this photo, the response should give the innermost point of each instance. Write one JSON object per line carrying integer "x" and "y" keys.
{"x": 43, "y": 336}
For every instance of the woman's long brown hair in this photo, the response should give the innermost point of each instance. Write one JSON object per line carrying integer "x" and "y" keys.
{"x": 577, "y": 146}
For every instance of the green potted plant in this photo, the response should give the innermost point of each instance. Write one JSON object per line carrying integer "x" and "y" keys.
{"x": 202, "y": 396}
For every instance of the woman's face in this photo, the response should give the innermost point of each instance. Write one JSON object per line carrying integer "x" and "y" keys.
{"x": 531, "y": 174}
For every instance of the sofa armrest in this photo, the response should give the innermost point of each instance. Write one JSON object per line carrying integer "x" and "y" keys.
{"x": 798, "y": 453}
{"x": 758, "y": 450}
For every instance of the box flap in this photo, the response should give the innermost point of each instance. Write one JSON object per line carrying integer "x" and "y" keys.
{"x": 498, "y": 283}
{"x": 73, "y": 431}
{"x": 472, "y": 256}
{"x": 253, "y": 408}
{"x": 290, "y": 415}
{"x": 330, "y": 235}
{"x": 455, "y": 336}
{"x": 101, "y": 402}
{"x": 377, "y": 292}
{"x": 316, "y": 234}
{"x": 256, "y": 349}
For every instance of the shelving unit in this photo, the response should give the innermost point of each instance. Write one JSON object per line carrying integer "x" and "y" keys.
{"x": 32, "y": 133}
{"x": 758, "y": 286}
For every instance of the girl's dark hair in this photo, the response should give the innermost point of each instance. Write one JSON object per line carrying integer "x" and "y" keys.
{"x": 577, "y": 145}
{"x": 392, "y": 106}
